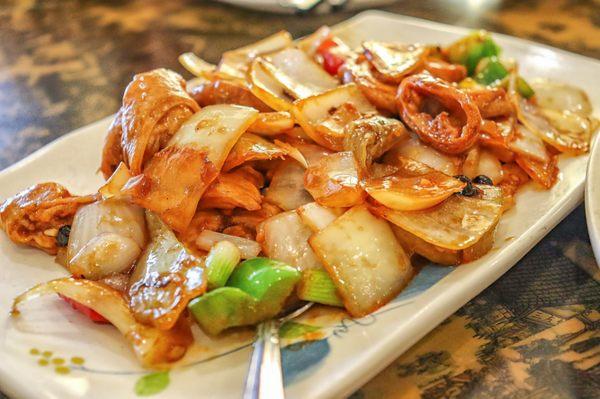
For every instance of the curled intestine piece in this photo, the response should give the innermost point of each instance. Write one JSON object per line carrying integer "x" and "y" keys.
{"x": 34, "y": 216}
{"x": 155, "y": 104}
{"x": 442, "y": 115}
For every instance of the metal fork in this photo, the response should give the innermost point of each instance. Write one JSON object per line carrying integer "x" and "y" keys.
{"x": 265, "y": 378}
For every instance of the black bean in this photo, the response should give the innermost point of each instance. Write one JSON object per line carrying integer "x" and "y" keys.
{"x": 463, "y": 178}
{"x": 62, "y": 238}
{"x": 483, "y": 179}
{"x": 469, "y": 190}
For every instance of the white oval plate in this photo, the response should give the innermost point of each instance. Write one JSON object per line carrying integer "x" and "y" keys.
{"x": 343, "y": 354}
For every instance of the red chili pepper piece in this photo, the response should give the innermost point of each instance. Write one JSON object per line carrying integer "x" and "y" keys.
{"x": 331, "y": 61}
{"x": 90, "y": 313}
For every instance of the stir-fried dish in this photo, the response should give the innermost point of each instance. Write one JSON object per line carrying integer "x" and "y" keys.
{"x": 295, "y": 172}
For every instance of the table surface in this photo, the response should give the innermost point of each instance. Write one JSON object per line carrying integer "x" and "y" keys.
{"x": 533, "y": 334}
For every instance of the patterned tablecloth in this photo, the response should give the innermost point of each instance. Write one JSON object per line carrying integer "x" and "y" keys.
{"x": 533, "y": 334}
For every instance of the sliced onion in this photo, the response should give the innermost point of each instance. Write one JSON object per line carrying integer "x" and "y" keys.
{"x": 248, "y": 248}
{"x": 292, "y": 152}
{"x": 104, "y": 255}
{"x": 529, "y": 145}
{"x": 414, "y": 149}
{"x": 576, "y": 142}
{"x": 153, "y": 347}
{"x": 115, "y": 182}
{"x": 544, "y": 173}
{"x": 272, "y": 123}
{"x": 317, "y": 217}
{"x": 561, "y": 97}
{"x": 264, "y": 86}
{"x": 457, "y": 223}
{"x": 286, "y": 239}
{"x": 176, "y": 177}
{"x": 362, "y": 256}
{"x": 251, "y": 147}
{"x": 106, "y": 238}
{"x": 235, "y": 62}
{"x": 215, "y": 130}
{"x": 435, "y": 254}
{"x": 489, "y": 166}
{"x": 394, "y": 61}
{"x": 414, "y": 186}
{"x": 334, "y": 181}
{"x": 311, "y": 43}
{"x": 287, "y": 187}
{"x": 317, "y": 114}
{"x": 299, "y": 74}
{"x": 165, "y": 278}
{"x": 196, "y": 65}
{"x": 311, "y": 152}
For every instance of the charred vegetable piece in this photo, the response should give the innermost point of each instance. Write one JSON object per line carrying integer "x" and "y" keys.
{"x": 482, "y": 179}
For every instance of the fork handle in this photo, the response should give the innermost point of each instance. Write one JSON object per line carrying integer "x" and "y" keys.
{"x": 265, "y": 379}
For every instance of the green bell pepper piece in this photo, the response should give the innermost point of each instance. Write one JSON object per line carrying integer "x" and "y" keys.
{"x": 256, "y": 291}
{"x": 523, "y": 88}
{"x": 224, "y": 308}
{"x": 267, "y": 280}
{"x": 473, "y": 48}
{"x": 491, "y": 72}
